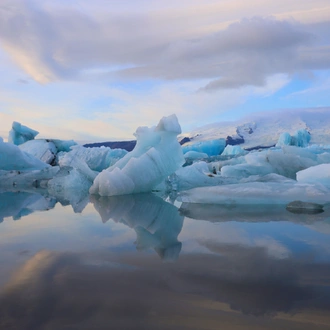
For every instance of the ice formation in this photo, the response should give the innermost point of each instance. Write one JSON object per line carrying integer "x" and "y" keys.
{"x": 257, "y": 193}
{"x": 286, "y": 161}
{"x": 301, "y": 138}
{"x": 43, "y": 150}
{"x": 293, "y": 170}
{"x": 316, "y": 174}
{"x": 211, "y": 147}
{"x": 195, "y": 175}
{"x": 233, "y": 151}
{"x": 20, "y": 133}
{"x": 195, "y": 155}
{"x": 97, "y": 158}
{"x": 156, "y": 155}
{"x": 13, "y": 158}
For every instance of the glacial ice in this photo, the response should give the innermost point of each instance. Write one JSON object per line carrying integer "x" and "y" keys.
{"x": 43, "y": 150}
{"x": 27, "y": 178}
{"x": 156, "y": 155}
{"x": 20, "y": 133}
{"x": 291, "y": 171}
{"x": 301, "y": 138}
{"x": 257, "y": 193}
{"x": 193, "y": 155}
{"x": 233, "y": 151}
{"x": 316, "y": 174}
{"x": 195, "y": 175}
{"x": 286, "y": 161}
{"x": 13, "y": 158}
{"x": 97, "y": 158}
{"x": 211, "y": 148}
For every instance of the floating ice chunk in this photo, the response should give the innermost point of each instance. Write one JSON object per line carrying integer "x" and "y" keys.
{"x": 316, "y": 174}
{"x": 247, "y": 213}
{"x": 97, "y": 158}
{"x": 70, "y": 186}
{"x": 13, "y": 158}
{"x": 272, "y": 177}
{"x": 284, "y": 140}
{"x": 195, "y": 155}
{"x": 300, "y": 138}
{"x": 63, "y": 145}
{"x": 28, "y": 178}
{"x": 233, "y": 151}
{"x": 257, "y": 193}
{"x": 156, "y": 155}
{"x": 20, "y": 133}
{"x": 156, "y": 222}
{"x": 195, "y": 175}
{"x": 210, "y": 147}
{"x": 41, "y": 149}
{"x": 286, "y": 161}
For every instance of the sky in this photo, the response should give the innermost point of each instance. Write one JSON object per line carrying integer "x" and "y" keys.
{"x": 96, "y": 70}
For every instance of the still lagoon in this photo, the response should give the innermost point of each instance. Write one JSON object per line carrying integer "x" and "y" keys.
{"x": 148, "y": 262}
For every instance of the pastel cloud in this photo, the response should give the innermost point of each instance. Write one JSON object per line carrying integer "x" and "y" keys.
{"x": 213, "y": 55}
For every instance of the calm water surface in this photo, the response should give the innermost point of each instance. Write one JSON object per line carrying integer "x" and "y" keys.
{"x": 139, "y": 262}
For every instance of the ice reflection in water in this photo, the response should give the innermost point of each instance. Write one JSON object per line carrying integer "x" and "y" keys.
{"x": 220, "y": 286}
{"x": 157, "y": 224}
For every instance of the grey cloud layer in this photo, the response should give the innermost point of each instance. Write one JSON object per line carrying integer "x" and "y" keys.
{"x": 56, "y": 44}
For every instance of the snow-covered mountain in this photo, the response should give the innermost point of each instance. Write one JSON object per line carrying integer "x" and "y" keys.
{"x": 263, "y": 129}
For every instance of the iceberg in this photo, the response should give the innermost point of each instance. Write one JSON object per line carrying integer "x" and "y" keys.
{"x": 233, "y": 151}
{"x": 13, "y": 158}
{"x": 42, "y": 149}
{"x": 157, "y": 154}
{"x": 301, "y": 138}
{"x": 195, "y": 175}
{"x": 315, "y": 174}
{"x": 28, "y": 178}
{"x": 193, "y": 155}
{"x": 257, "y": 193}
{"x": 211, "y": 147}
{"x": 97, "y": 158}
{"x": 286, "y": 161}
{"x": 70, "y": 186}
{"x": 20, "y": 133}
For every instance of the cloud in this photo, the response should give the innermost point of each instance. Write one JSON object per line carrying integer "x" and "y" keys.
{"x": 55, "y": 44}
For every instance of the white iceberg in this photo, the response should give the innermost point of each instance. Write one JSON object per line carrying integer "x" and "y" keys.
{"x": 195, "y": 175}
{"x": 315, "y": 174}
{"x": 233, "y": 151}
{"x": 286, "y": 161}
{"x": 42, "y": 149}
{"x": 97, "y": 158}
{"x": 20, "y": 133}
{"x": 13, "y": 158}
{"x": 156, "y": 155}
{"x": 257, "y": 193}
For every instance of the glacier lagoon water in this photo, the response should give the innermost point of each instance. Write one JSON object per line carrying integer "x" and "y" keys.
{"x": 140, "y": 262}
